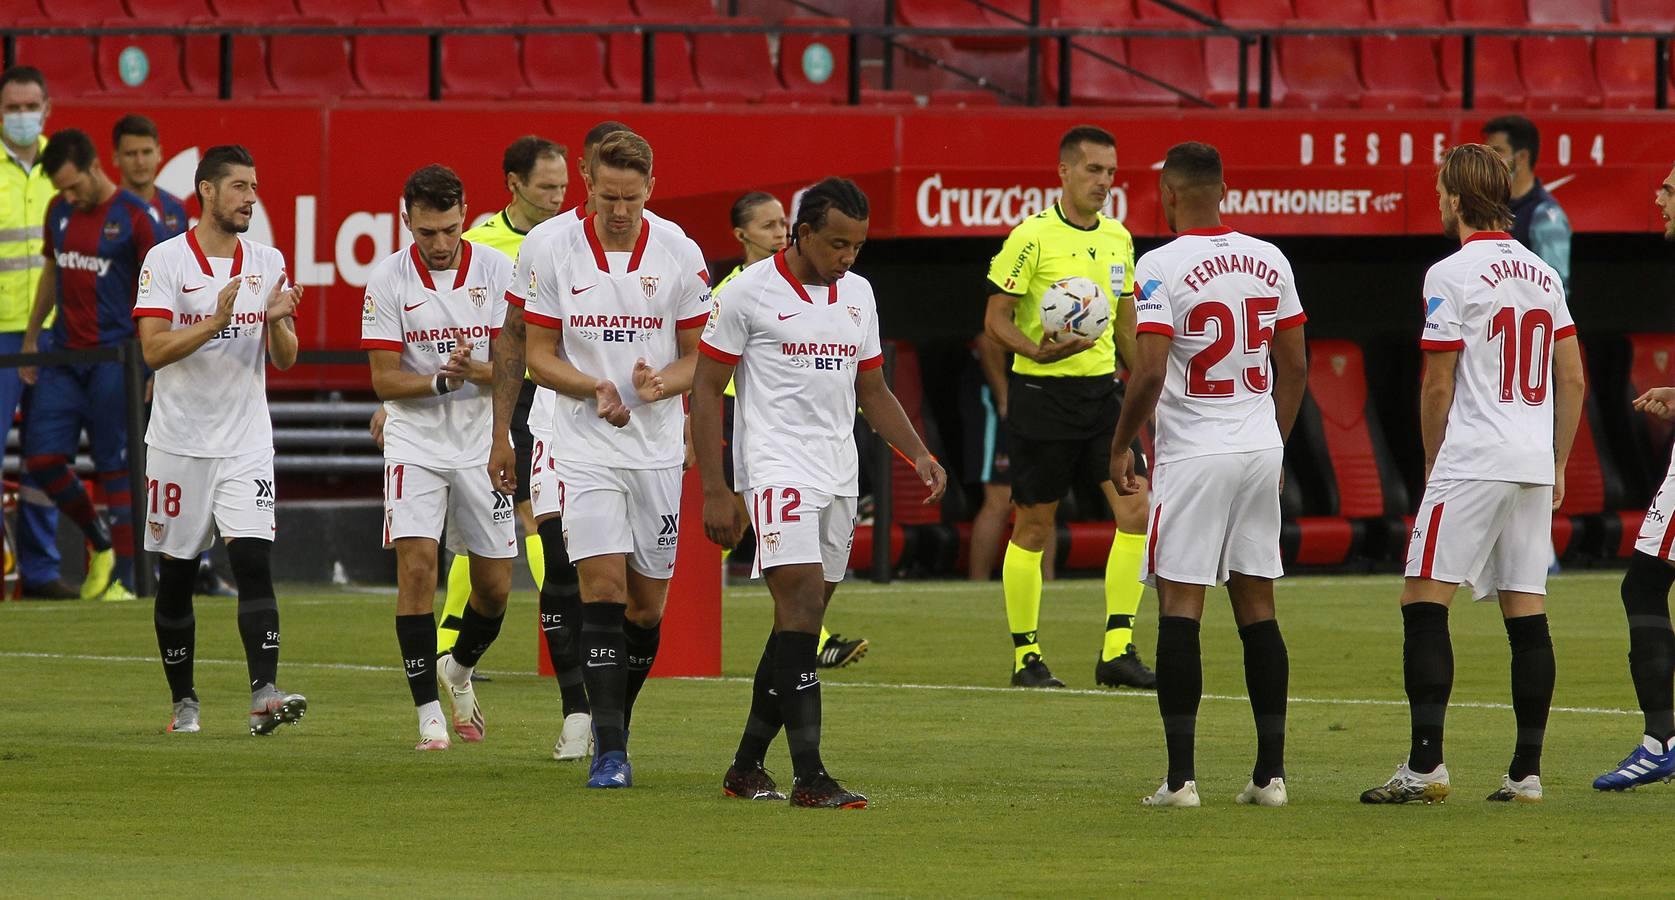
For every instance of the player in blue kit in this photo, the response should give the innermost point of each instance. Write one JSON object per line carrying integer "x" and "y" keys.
{"x": 96, "y": 235}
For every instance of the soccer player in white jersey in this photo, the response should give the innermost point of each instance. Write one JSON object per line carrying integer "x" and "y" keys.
{"x": 430, "y": 316}
{"x": 799, "y": 332}
{"x": 1498, "y": 409}
{"x": 613, "y": 319}
{"x": 1645, "y": 592}
{"x": 213, "y": 308}
{"x": 1220, "y": 338}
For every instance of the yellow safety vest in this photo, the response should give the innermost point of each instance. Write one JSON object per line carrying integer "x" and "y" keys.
{"x": 24, "y": 197}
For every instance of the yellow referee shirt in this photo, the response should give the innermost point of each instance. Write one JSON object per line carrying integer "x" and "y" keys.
{"x": 715, "y": 293}
{"x": 1046, "y": 248}
{"x": 498, "y": 233}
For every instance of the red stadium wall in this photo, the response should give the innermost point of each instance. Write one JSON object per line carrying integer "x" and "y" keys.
{"x": 330, "y": 176}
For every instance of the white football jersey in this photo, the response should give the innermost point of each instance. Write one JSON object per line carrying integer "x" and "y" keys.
{"x": 1503, "y": 309}
{"x": 214, "y": 403}
{"x": 424, "y": 316}
{"x": 798, "y": 349}
{"x": 1220, "y": 295}
{"x": 611, "y": 309}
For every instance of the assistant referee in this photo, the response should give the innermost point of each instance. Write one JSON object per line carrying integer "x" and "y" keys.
{"x": 1065, "y": 401}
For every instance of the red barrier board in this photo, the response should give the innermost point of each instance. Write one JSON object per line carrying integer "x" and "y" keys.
{"x": 330, "y": 176}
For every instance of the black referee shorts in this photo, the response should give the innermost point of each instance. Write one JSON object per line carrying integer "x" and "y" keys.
{"x": 523, "y": 443}
{"x": 1060, "y": 435}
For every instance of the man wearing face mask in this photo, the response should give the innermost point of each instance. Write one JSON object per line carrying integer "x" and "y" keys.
{"x": 25, "y": 192}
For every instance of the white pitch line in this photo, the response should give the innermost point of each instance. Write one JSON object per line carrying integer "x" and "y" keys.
{"x": 874, "y": 685}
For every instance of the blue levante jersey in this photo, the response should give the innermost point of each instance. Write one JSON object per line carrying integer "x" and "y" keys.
{"x": 171, "y": 215}
{"x": 98, "y": 254}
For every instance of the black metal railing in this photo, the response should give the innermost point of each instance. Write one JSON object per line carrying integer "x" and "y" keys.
{"x": 898, "y": 39}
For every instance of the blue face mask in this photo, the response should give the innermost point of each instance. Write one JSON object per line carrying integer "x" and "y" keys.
{"x": 23, "y": 128}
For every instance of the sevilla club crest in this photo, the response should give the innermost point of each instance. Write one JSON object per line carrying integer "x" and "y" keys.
{"x": 855, "y": 315}
{"x": 254, "y": 283}
{"x": 479, "y": 296}
{"x": 648, "y": 285}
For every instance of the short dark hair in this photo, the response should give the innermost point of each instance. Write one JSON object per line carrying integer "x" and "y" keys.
{"x": 434, "y": 187}
{"x": 23, "y": 75}
{"x": 213, "y": 166}
{"x": 1476, "y": 174}
{"x": 1085, "y": 134}
{"x": 134, "y": 125}
{"x": 523, "y": 153}
{"x": 1520, "y": 133}
{"x": 832, "y": 193}
{"x": 746, "y": 203}
{"x": 597, "y": 134}
{"x": 1193, "y": 164}
{"x": 73, "y": 146}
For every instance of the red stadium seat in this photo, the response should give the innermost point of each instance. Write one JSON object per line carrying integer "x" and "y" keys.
{"x": 1015, "y": 13}
{"x": 964, "y": 98}
{"x": 339, "y": 11}
{"x": 741, "y": 64}
{"x": 140, "y": 65}
{"x": 1410, "y": 12}
{"x": 81, "y": 11}
{"x": 909, "y": 492}
{"x": 1559, "y": 72}
{"x": 1624, "y": 66}
{"x": 393, "y": 65}
{"x": 667, "y": 9}
{"x": 425, "y": 11}
{"x": 675, "y": 81}
{"x": 1339, "y": 13}
{"x": 1319, "y": 72}
{"x": 492, "y": 12}
{"x": 1489, "y": 13}
{"x": 480, "y": 66}
{"x": 1093, "y": 81}
{"x": 1566, "y": 13}
{"x": 881, "y": 97}
{"x": 569, "y": 67}
{"x": 1221, "y": 71}
{"x": 1178, "y": 62}
{"x": 1498, "y": 85}
{"x": 67, "y": 62}
{"x": 1157, "y": 15}
{"x": 164, "y": 12}
{"x": 593, "y": 10}
{"x": 1651, "y": 364}
{"x": 956, "y": 14}
{"x": 311, "y": 65}
{"x": 805, "y": 57}
{"x": 1652, "y": 14}
{"x": 1259, "y": 13}
{"x": 254, "y": 12}
{"x": 1400, "y": 72}
{"x": 250, "y": 66}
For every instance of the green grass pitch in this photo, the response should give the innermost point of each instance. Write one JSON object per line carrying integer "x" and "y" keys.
{"x": 977, "y": 790}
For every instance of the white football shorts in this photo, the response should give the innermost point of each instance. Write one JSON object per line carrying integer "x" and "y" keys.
{"x": 189, "y": 498}
{"x": 800, "y": 526}
{"x": 1220, "y": 514}
{"x": 1493, "y": 535}
{"x": 543, "y": 481}
{"x": 609, "y": 510}
{"x": 420, "y": 501}
{"x": 1657, "y": 530}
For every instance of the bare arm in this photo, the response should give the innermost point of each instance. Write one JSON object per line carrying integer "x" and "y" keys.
{"x": 389, "y": 382}
{"x": 675, "y": 379}
{"x": 1291, "y": 377}
{"x": 1570, "y": 385}
{"x": 884, "y": 413}
{"x": 1123, "y": 332}
{"x": 162, "y": 344}
{"x": 1145, "y": 385}
{"x": 553, "y": 371}
{"x": 997, "y": 321}
{"x": 1436, "y": 395}
{"x": 282, "y": 326}
{"x": 721, "y": 514}
{"x": 507, "y": 356}
{"x": 991, "y": 358}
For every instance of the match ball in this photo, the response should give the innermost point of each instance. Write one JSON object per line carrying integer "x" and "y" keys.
{"x": 1077, "y": 306}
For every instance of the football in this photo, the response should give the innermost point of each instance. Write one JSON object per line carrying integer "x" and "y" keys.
{"x": 1077, "y": 306}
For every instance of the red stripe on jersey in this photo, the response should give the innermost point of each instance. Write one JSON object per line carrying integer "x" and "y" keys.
{"x": 1151, "y": 540}
{"x": 494, "y": 333}
{"x": 1430, "y": 555}
{"x": 1562, "y": 333}
{"x": 1155, "y": 328}
{"x": 464, "y": 264}
{"x": 535, "y": 318}
{"x": 1208, "y": 232}
{"x": 419, "y": 265}
{"x": 869, "y": 364}
{"x": 693, "y": 322}
{"x": 1489, "y": 236}
{"x": 722, "y": 356}
{"x": 1290, "y": 322}
{"x": 380, "y": 344}
{"x": 1668, "y": 538}
{"x": 1441, "y": 346}
{"x": 141, "y": 312}
{"x": 640, "y": 246}
{"x": 514, "y": 299}
{"x": 704, "y": 275}
{"x": 203, "y": 261}
{"x": 797, "y": 285}
{"x": 593, "y": 243}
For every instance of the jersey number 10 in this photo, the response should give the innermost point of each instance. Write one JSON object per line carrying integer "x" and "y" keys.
{"x": 1257, "y": 337}
{"x": 1520, "y": 359}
